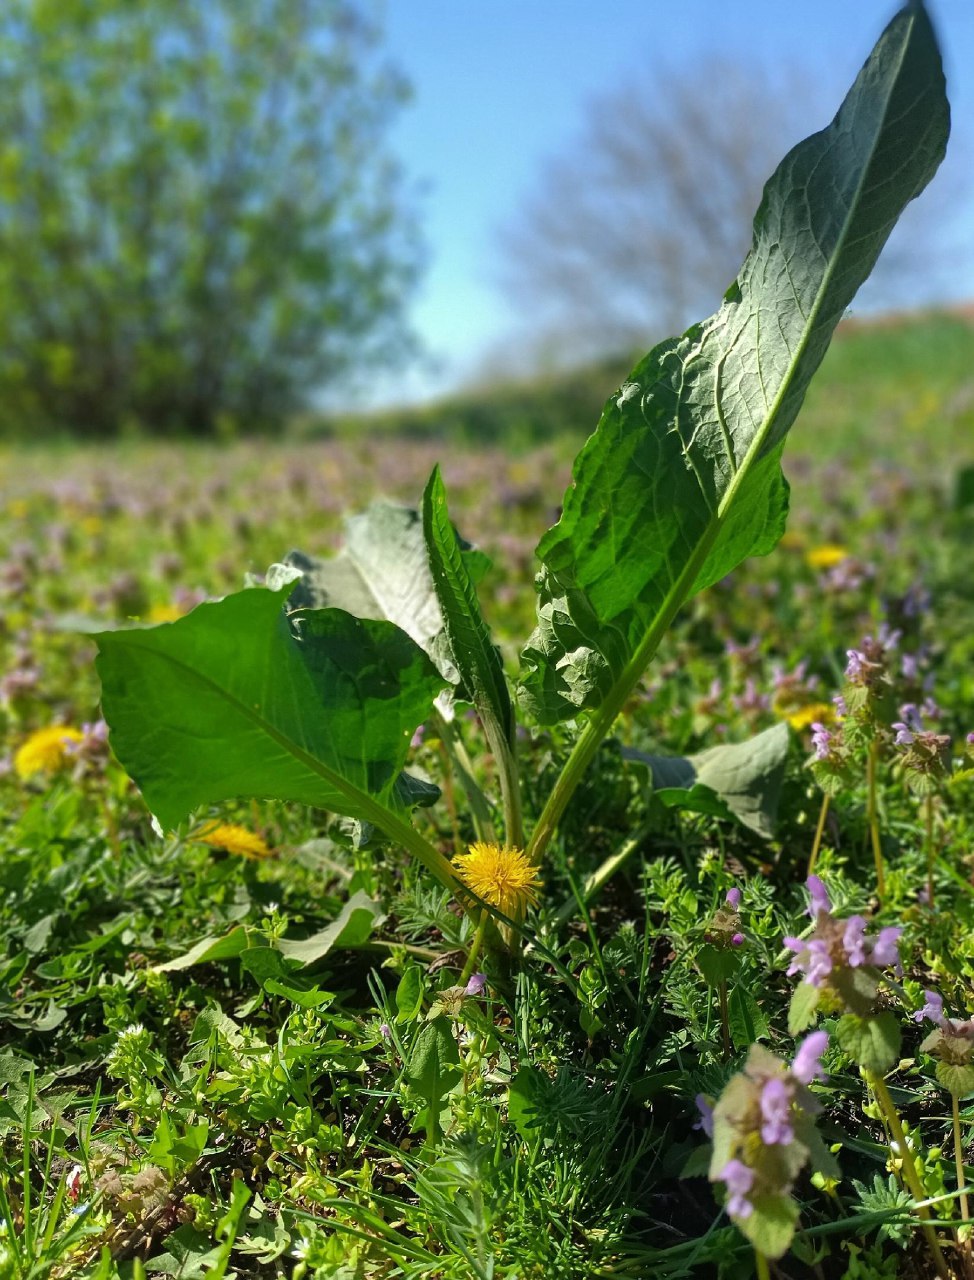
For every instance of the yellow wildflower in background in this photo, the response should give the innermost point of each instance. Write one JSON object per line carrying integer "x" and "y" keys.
{"x": 46, "y": 750}
{"x": 503, "y": 877}
{"x": 165, "y": 613}
{"x": 826, "y": 556}
{"x": 813, "y": 713}
{"x": 235, "y": 839}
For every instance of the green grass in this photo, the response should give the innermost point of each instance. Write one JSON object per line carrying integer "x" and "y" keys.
{"x": 174, "y": 1106}
{"x": 878, "y": 375}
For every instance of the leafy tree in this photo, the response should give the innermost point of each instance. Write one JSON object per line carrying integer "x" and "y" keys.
{"x": 639, "y": 221}
{"x": 198, "y": 223}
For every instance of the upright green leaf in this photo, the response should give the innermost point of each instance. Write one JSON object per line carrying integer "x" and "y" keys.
{"x": 682, "y": 479}
{"x": 473, "y": 651}
{"x": 382, "y": 571}
{"x": 471, "y": 647}
{"x": 241, "y": 699}
{"x": 433, "y": 1070}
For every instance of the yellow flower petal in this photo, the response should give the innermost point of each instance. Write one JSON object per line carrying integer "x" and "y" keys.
{"x": 235, "y": 839}
{"x": 814, "y": 713}
{"x": 164, "y": 613}
{"x": 827, "y": 556}
{"x": 46, "y": 750}
{"x": 503, "y": 877}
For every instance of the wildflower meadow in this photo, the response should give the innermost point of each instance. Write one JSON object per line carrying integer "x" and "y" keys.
{"x": 386, "y": 892}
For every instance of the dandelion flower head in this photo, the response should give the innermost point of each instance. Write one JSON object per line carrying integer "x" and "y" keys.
{"x": 233, "y": 838}
{"x": 826, "y": 556}
{"x": 503, "y": 877}
{"x": 46, "y": 750}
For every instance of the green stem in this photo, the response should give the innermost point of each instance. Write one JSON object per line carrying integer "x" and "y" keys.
{"x": 961, "y": 1183}
{"x": 483, "y": 822}
{"x": 450, "y": 800}
{"x": 888, "y": 1108}
{"x": 604, "y": 717}
{"x": 724, "y": 1018}
{"x": 929, "y": 834}
{"x": 873, "y": 816}
{"x": 601, "y": 876}
{"x": 823, "y": 813}
{"x": 475, "y": 945}
{"x": 761, "y": 1266}
{"x": 505, "y": 758}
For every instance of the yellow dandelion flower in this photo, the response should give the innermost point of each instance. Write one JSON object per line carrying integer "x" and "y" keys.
{"x": 813, "y": 713}
{"x": 235, "y": 839}
{"x": 46, "y": 750}
{"x": 826, "y": 556}
{"x": 164, "y": 613}
{"x": 503, "y": 877}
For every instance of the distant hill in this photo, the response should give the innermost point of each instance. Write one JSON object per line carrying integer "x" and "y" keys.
{"x": 901, "y": 367}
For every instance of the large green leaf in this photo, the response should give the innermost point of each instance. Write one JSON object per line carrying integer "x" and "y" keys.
{"x": 383, "y": 571}
{"x": 682, "y": 479}
{"x": 747, "y": 776}
{"x": 476, "y": 658}
{"x": 241, "y": 699}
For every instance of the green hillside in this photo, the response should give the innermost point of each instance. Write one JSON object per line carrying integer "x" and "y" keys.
{"x": 885, "y": 378}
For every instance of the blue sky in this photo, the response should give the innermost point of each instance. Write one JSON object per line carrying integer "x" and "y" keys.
{"x": 499, "y": 85}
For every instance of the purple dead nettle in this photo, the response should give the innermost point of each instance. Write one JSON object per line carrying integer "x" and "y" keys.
{"x": 823, "y": 741}
{"x": 762, "y": 1124}
{"x": 838, "y": 944}
{"x": 724, "y": 929}
{"x": 952, "y": 1039}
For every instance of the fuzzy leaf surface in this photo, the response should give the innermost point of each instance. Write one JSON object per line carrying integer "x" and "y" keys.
{"x": 682, "y": 479}
{"x": 240, "y": 699}
{"x": 382, "y": 571}
{"x": 471, "y": 647}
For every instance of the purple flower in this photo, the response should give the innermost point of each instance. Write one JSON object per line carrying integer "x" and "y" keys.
{"x": 839, "y": 703}
{"x": 733, "y": 898}
{"x": 706, "y": 1121}
{"x": 807, "y": 1065}
{"x": 932, "y": 1009}
{"x": 417, "y": 739}
{"x": 475, "y": 986}
{"x": 904, "y": 738}
{"x": 739, "y": 1179}
{"x": 821, "y": 740}
{"x": 737, "y": 939}
{"x": 819, "y": 897}
{"x": 812, "y": 958}
{"x": 385, "y": 1031}
{"x": 970, "y": 739}
{"x": 854, "y": 668}
{"x": 776, "y": 1112}
{"x": 885, "y": 948}
{"x": 910, "y": 666}
{"x": 887, "y": 636}
{"x": 854, "y": 941}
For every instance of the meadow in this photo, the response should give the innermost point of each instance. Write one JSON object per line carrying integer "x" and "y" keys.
{"x": 180, "y": 1103}
{"x": 383, "y": 896}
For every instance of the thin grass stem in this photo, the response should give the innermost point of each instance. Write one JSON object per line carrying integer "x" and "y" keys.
{"x": 823, "y": 814}
{"x": 892, "y": 1117}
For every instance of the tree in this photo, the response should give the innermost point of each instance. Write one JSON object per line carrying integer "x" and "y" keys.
{"x": 639, "y": 225}
{"x": 199, "y": 225}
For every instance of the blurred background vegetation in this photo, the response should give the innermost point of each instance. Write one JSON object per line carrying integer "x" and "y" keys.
{"x": 199, "y": 221}
{"x": 204, "y": 230}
